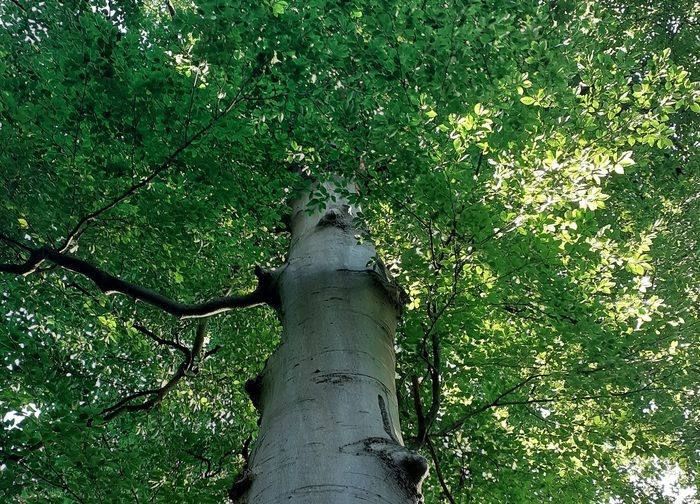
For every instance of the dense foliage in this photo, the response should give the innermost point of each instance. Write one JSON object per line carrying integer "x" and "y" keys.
{"x": 529, "y": 172}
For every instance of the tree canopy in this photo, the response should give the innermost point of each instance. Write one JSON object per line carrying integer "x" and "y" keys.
{"x": 528, "y": 172}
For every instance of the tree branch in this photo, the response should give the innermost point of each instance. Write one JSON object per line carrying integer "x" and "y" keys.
{"x": 6, "y": 238}
{"x": 544, "y": 400}
{"x": 110, "y": 284}
{"x": 142, "y": 329}
{"x": 208, "y": 473}
{"x": 211, "y": 352}
{"x": 60, "y": 484}
{"x": 418, "y": 406}
{"x": 171, "y": 9}
{"x": 81, "y": 225}
{"x": 157, "y": 395}
{"x": 21, "y": 7}
{"x": 6, "y": 456}
{"x": 438, "y": 472}
{"x": 435, "y": 380}
{"x": 496, "y": 402}
{"x": 435, "y": 365}
{"x": 162, "y": 341}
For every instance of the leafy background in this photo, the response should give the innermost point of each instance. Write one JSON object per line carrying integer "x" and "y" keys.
{"x": 529, "y": 173}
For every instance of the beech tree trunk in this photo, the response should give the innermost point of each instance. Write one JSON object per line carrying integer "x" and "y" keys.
{"x": 329, "y": 427}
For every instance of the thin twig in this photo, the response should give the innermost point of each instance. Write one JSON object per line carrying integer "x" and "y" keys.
{"x": 6, "y": 238}
{"x": 544, "y": 400}
{"x": 162, "y": 341}
{"x": 21, "y": 7}
{"x": 78, "y": 229}
{"x": 438, "y": 472}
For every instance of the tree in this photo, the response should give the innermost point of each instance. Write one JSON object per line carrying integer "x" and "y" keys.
{"x": 527, "y": 172}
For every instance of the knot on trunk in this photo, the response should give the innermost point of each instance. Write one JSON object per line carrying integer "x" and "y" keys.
{"x": 336, "y": 217}
{"x": 267, "y": 286}
{"x": 393, "y": 290}
{"x": 253, "y": 387}
{"x": 240, "y": 487}
{"x": 409, "y": 468}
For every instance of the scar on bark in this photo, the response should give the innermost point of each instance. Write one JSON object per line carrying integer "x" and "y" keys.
{"x": 382, "y": 276}
{"x": 386, "y": 420}
{"x": 410, "y": 468}
{"x": 413, "y": 464}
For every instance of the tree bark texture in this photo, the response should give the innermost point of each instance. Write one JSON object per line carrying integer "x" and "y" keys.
{"x": 329, "y": 427}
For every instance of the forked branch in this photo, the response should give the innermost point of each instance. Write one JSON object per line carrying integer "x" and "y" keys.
{"x": 155, "y": 396}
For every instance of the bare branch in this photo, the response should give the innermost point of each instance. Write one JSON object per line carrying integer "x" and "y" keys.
{"x": 544, "y": 400}
{"x": 157, "y": 395}
{"x": 415, "y": 389}
{"x": 189, "y": 364}
{"x": 140, "y": 328}
{"x": 208, "y": 473}
{"x": 57, "y": 484}
{"x": 435, "y": 380}
{"x": 110, "y": 284}
{"x": 171, "y": 9}
{"x": 434, "y": 365}
{"x": 211, "y": 352}
{"x": 117, "y": 407}
{"x": 403, "y": 205}
{"x": 6, "y": 456}
{"x": 198, "y": 343}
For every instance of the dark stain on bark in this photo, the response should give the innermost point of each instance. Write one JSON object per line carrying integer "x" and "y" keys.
{"x": 336, "y": 378}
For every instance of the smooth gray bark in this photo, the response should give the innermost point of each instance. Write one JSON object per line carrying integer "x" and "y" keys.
{"x": 329, "y": 429}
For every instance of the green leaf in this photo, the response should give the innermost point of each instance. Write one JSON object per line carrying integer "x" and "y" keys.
{"x": 279, "y": 7}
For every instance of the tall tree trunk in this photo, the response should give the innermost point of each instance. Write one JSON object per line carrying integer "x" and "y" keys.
{"x": 329, "y": 428}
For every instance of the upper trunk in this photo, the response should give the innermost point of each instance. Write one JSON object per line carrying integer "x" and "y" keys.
{"x": 329, "y": 430}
